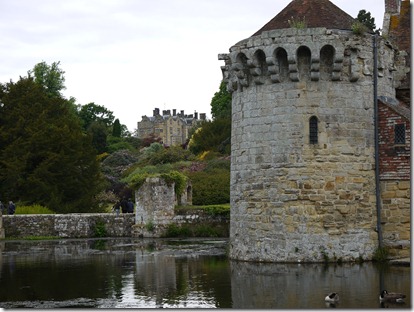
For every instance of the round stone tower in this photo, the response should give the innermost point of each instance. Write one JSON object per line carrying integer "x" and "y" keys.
{"x": 303, "y": 154}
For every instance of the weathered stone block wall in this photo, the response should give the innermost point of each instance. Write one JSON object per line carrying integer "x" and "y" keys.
{"x": 292, "y": 200}
{"x": 155, "y": 201}
{"x": 396, "y": 217}
{"x": 84, "y": 225}
{"x": 67, "y": 225}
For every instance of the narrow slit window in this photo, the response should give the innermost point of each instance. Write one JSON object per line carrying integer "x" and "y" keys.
{"x": 399, "y": 134}
{"x": 313, "y": 130}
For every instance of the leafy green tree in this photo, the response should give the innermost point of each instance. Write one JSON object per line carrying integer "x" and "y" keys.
{"x": 116, "y": 129}
{"x": 221, "y": 103}
{"x": 45, "y": 157}
{"x": 212, "y": 136}
{"x": 211, "y": 187}
{"x": 50, "y": 77}
{"x": 91, "y": 112}
{"x": 365, "y": 18}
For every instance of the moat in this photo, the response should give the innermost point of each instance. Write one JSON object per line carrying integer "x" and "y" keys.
{"x": 180, "y": 273}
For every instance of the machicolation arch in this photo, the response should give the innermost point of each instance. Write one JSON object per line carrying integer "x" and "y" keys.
{"x": 292, "y": 63}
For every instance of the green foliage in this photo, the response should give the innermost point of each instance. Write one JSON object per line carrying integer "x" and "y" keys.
{"x": 116, "y": 129}
{"x": 50, "y": 77}
{"x": 164, "y": 168}
{"x": 297, "y": 23}
{"x": 46, "y": 158}
{"x": 150, "y": 226}
{"x": 179, "y": 180}
{"x": 324, "y": 255}
{"x": 92, "y": 112}
{"x": 365, "y": 19}
{"x": 381, "y": 254}
{"x": 221, "y": 103}
{"x": 174, "y": 230}
{"x": 138, "y": 177}
{"x": 218, "y": 163}
{"x": 100, "y": 229}
{"x": 32, "y": 209}
{"x": 359, "y": 28}
{"x": 218, "y": 210}
{"x": 119, "y": 146}
{"x": 136, "y": 180}
{"x": 153, "y": 149}
{"x": 205, "y": 230}
{"x": 170, "y": 155}
{"x": 212, "y": 136}
{"x": 133, "y": 141}
{"x": 198, "y": 230}
{"x": 106, "y": 199}
{"x": 98, "y": 132}
{"x": 210, "y": 187}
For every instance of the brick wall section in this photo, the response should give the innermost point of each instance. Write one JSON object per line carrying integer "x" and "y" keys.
{"x": 394, "y": 159}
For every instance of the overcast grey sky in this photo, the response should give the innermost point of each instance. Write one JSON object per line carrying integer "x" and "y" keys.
{"x": 134, "y": 55}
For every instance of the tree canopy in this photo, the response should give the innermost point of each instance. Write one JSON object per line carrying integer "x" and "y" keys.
{"x": 221, "y": 103}
{"x": 46, "y": 158}
{"x": 92, "y": 112}
{"x": 365, "y": 18}
{"x": 51, "y": 77}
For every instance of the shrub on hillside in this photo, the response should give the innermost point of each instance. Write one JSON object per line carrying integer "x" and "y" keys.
{"x": 171, "y": 155}
{"x": 212, "y": 187}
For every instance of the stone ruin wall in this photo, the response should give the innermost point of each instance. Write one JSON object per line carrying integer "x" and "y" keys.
{"x": 291, "y": 200}
{"x": 155, "y": 202}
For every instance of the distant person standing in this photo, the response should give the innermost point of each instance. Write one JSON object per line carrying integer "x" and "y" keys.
{"x": 130, "y": 206}
{"x": 11, "y": 209}
{"x": 116, "y": 208}
{"x": 124, "y": 205}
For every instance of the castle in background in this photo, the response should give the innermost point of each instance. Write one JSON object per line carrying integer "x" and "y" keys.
{"x": 172, "y": 129}
{"x": 321, "y": 137}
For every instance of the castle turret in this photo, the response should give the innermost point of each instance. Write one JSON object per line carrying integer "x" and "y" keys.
{"x": 302, "y": 158}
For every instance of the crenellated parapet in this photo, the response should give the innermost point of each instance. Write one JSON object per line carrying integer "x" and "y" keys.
{"x": 300, "y": 55}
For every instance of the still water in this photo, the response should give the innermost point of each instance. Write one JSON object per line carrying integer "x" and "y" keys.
{"x": 190, "y": 273}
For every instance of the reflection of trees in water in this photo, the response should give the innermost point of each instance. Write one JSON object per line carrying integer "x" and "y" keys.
{"x": 175, "y": 280}
{"x": 182, "y": 274}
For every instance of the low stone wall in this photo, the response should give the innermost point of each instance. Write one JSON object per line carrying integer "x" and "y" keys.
{"x": 87, "y": 225}
{"x": 68, "y": 225}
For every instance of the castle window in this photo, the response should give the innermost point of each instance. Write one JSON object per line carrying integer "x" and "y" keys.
{"x": 399, "y": 134}
{"x": 313, "y": 130}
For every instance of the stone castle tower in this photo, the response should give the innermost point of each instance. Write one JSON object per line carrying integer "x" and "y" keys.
{"x": 303, "y": 178}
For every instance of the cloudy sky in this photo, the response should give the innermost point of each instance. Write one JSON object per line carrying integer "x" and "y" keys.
{"x": 134, "y": 55}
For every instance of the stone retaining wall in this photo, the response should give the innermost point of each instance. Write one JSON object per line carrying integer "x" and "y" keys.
{"x": 87, "y": 225}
